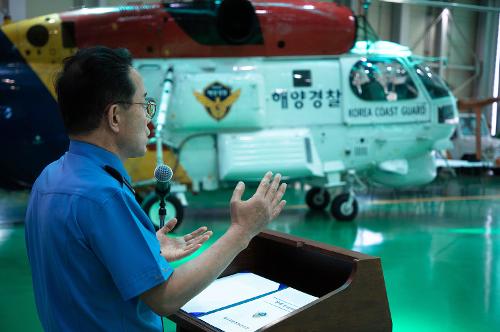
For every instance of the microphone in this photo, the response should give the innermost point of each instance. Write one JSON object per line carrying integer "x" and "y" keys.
{"x": 163, "y": 175}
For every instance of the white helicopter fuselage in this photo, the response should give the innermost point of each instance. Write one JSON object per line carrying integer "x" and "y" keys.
{"x": 310, "y": 118}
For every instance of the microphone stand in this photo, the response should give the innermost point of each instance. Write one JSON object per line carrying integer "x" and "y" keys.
{"x": 162, "y": 212}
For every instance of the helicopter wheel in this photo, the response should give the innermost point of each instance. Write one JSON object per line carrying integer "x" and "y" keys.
{"x": 343, "y": 210}
{"x": 151, "y": 205}
{"x": 317, "y": 198}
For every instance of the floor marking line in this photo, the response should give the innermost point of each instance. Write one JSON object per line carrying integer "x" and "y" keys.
{"x": 416, "y": 200}
{"x": 434, "y": 199}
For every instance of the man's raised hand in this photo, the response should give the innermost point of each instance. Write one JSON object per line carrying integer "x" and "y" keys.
{"x": 253, "y": 215}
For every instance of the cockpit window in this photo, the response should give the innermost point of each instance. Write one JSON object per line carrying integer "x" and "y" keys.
{"x": 381, "y": 79}
{"x": 432, "y": 82}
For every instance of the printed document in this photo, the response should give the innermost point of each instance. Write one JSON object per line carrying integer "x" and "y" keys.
{"x": 229, "y": 290}
{"x": 245, "y": 302}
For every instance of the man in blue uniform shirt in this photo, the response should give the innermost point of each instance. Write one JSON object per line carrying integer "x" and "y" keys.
{"x": 97, "y": 263}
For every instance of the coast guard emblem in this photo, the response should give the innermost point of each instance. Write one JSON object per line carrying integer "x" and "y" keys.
{"x": 217, "y": 99}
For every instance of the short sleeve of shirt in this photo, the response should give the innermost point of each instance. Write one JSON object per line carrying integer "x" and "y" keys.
{"x": 128, "y": 249}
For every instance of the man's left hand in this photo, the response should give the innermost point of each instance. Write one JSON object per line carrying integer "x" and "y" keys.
{"x": 175, "y": 248}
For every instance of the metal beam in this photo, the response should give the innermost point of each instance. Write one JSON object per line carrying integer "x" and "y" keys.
{"x": 443, "y": 4}
{"x": 86, "y": 3}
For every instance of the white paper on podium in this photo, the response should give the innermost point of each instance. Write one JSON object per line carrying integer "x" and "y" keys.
{"x": 245, "y": 302}
{"x": 230, "y": 290}
{"x": 251, "y": 316}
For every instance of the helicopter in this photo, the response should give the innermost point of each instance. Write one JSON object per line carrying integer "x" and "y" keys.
{"x": 243, "y": 87}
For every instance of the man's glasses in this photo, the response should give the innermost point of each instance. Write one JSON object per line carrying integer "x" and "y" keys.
{"x": 149, "y": 107}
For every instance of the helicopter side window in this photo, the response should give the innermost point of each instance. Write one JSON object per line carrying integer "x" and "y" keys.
{"x": 432, "y": 82}
{"x": 382, "y": 80}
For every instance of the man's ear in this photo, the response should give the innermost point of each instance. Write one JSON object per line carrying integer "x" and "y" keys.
{"x": 112, "y": 118}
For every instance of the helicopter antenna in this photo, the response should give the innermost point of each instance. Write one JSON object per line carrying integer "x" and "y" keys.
{"x": 366, "y": 6}
{"x": 365, "y": 30}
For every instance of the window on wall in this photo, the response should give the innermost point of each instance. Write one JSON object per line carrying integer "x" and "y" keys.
{"x": 381, "y": 79}
{"x": 468, "y": 125}
{"x": 432, "y": 82}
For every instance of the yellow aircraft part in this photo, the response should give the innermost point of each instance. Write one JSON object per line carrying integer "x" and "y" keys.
{"x": 141, "y": 169}
{"x": 46, "y": 60}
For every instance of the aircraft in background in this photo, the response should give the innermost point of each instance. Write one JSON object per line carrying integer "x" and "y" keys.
{"x": 464, "y": 142}
{"x": 243, "y": 87}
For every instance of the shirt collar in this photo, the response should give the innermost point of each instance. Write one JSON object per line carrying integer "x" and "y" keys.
{"x": 99, "y": 155}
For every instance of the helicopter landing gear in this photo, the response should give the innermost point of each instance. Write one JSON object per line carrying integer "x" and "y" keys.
{"x": 317, "y": 198}
{"x": 344, "y": 207}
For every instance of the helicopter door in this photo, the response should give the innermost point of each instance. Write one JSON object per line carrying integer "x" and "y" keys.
{"x": 305, "y": 92}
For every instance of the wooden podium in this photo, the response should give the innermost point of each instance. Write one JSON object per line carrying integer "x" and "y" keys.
{"x": 350, "y": 285}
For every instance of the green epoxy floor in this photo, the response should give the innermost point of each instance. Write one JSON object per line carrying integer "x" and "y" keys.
{"x": 439, "y": 244}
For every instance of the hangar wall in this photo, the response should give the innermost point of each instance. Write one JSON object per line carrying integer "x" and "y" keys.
{"x": 464, "y": 39}
{"x": 434, "y": 33}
